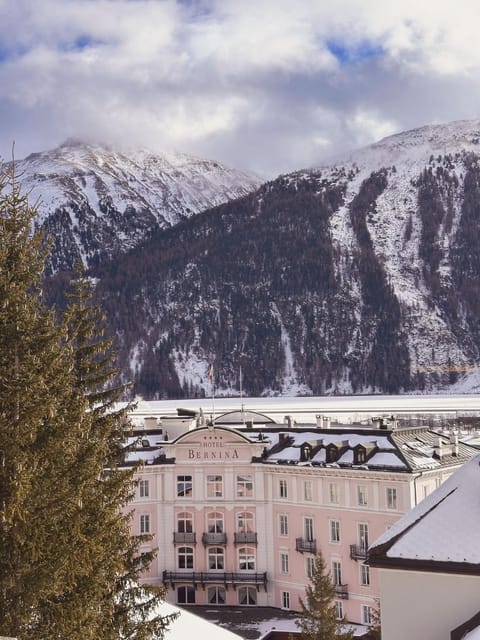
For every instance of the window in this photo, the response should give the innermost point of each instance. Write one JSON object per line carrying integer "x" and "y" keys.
{"x": 283, "y": 521}
{"x": 364, "y": 575}
{"x": 245, "y": 522}
{"x": 284, "y": 562}
{"x": 360, "y": 455}
{"x": 185, "y": 558}
{"x": 336, "y": 572}
{"x": 244, "y": 486}
{"x": 333, "y": 493}
{"x": 362, "y": 496}
{"x": 246, "y": 559}
{"x": 216, "y": 559}
{"x": 309, "y": 566}
{"x": 144, "y": 488}
{"x": 215, "y": 522}
{"x": 285, "y": 600}
{"x": 214, "y": 486}
{"x": 247, "y": 596}
{"x": 283, "y": 489}
{"x": 334, "y": 531}
{"x": 366, "y": 614}
{"x": 391, "y": 498}
{"x": 145, "y": 523}
{"x": 186, "y": 595}
{"x": 339, "y": 609}
{"x": 307, "y": 491}
{"x": 363, "y": 535}
{"x": 184, "y": 522}
{"x": 216, "y": 595}
{"x": 308, "y": 529}
{"x": 184, "y": 486}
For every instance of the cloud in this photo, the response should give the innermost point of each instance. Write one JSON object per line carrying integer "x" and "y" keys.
{"x": 274, "y": 85}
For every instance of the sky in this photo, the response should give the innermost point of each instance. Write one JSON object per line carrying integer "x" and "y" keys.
{"x": 270, "y": 86}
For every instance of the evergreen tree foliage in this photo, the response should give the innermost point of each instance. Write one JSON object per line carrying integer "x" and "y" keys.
{"x": 318, "y": 617}
{"x": 68, "y": 566}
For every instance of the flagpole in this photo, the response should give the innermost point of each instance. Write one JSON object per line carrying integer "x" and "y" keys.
{"x": 242, "y": 408}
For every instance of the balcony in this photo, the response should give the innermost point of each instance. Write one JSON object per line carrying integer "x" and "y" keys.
{"x": 245, "y": 537}
{"x": 214, "y": 538}
{"x": 306, "y": 546}
{"x": 184, "y": 538}
{"x": 201, "y": 578}
{"x": 341, "y": 591}
{"x": 358, "y": 552}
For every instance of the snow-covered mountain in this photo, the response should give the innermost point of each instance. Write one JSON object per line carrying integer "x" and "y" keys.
{"x": 95, "y": 201}
{"x": 360, "y": 276}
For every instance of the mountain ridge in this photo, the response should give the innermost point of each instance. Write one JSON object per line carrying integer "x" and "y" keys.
{"x": 358, "y": 277}
{"x": 96, "y": 201}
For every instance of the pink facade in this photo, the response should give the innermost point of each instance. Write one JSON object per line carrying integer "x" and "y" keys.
{"x": 237, "y": 515}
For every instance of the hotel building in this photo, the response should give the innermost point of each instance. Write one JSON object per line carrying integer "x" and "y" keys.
{"x": 238, "y": 509}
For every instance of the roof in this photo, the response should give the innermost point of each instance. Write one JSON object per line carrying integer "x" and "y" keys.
{"x": 429, "y": 537}
{"x": 188, "y": 625}
{"x": 402, "y": 450}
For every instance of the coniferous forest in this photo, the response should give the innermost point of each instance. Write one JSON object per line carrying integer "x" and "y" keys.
{"x": 68, "y": 565}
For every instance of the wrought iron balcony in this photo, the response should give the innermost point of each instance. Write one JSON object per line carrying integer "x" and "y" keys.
{"x": 342, "y": 591}
{"x": 201, "y": 578}
{"x": 214, "y": 538}
{"x": 245, "y": 537}
{"x": 182, "y": 538}
{"x": 306, "y": 546}
{"x": 358, "y": 552}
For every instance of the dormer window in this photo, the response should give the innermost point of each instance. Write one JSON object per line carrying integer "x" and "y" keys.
{"x": 359, "y": 455}
{"x": 331, "y": 453}
{"x": 305, "y": 452}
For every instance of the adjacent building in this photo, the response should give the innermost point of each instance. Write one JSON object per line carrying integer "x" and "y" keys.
{"x": 238, "y": 509}
{"x": 429, "y": 564}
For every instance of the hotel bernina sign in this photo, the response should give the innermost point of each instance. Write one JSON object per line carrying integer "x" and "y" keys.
{"x": 215, "y": 445}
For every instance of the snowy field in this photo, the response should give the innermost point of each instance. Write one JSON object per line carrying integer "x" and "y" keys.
{"x": 341, "y": 408}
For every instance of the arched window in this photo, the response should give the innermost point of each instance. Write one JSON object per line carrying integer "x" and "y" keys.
{"x": 185, "y": 558}
{"x": 215, "y": 522}
{"x": 185, "y": 522}
{"x": 245, "y": 522}
{"x": 216, "y": 595}
{"x": 246, "y": 559}
{"x": 186, "y": 595}
{"x": 247, "y": 596}
{"x": 216, "y": 558}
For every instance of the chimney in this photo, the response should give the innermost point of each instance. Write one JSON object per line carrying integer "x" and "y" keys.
{"x": 288, "y": 420}
{"x": 454, "y": 443}
{"x": 439, "y": 448}
{"x": 327, "y": 422}
{"x": 150, "y": 422}
{"x": 319, "y": 419}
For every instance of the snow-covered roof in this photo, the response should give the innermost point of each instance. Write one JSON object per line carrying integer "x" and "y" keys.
{"x": 429, "y": 536}
{"x": 188, "y": 625}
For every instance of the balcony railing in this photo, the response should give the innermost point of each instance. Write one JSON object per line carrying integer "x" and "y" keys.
{"x": 245, "y": 537}
{"x": 306, "y": 546}
{"x": 181, "y": 538}
{"x": 342, "y": 591}
{"x": 358, "y": 552}
{"x": 214, "y": 538}
{"x": 204, "y": 577}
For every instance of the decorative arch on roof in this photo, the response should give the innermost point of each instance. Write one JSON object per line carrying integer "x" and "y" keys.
{"x": 243, "y": 418}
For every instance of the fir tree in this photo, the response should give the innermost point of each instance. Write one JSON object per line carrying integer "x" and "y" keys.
{"x": 68, "y": 566}
{"x": 318, "y": 616}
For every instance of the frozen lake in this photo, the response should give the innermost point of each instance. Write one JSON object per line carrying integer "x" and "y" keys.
{"x": 343, "y": 408}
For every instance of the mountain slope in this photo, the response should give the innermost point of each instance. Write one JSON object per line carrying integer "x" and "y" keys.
{"x": 96, "y": 202}
{"x": 362, "y": 276}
